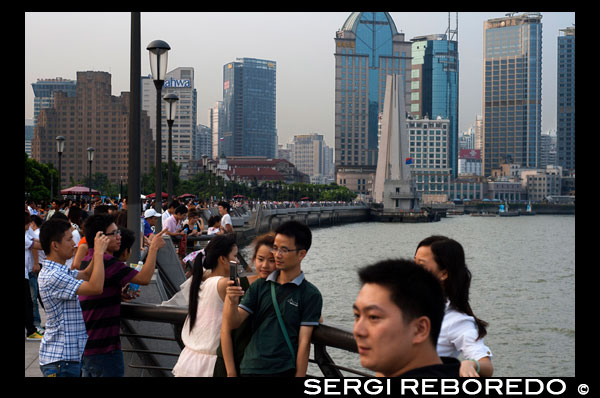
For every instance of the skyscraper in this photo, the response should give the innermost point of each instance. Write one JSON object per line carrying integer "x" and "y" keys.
{"x": 512, "y": 92}
{"x": 44, "y": 90}
{"x": 565, "y": 104}
{"x": 249, "y": 108}
{"x": 368, "y": 47}
{"x": 434, "y": 85}
{"x": 179, "y": 81}
{"x": 214, "y": 115}
{"x": 93, "y": 118}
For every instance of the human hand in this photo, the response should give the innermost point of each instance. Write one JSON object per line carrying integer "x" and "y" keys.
{"x": 100, "y": 242}
{"x": 468, "y": 368}
{"x": 157, "y": 240}
{"x": 233, "y": 292}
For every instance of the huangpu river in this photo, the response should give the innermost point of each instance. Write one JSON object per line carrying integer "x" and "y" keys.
{"x": 523, "y": 282}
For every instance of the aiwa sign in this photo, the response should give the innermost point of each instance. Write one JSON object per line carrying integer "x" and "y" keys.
{"x": 177, "y": 83}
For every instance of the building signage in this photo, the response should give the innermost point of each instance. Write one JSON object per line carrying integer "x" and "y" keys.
{"x": 226, "y": 85}
{"x": 471, "y": 154}
{"x": 177, "y": 83}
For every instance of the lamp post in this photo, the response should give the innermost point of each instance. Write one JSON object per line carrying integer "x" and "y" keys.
{"x": 171, "y": 112}
{"x": 158, "y": 65}
{"x": 90, "y": 152}
{"x": 60, "y": 147}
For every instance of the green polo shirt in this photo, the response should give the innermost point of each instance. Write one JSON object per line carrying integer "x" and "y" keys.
{"x": 267, "y": 352}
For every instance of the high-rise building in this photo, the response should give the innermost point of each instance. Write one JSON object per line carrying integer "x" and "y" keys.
{"x": 565, "y": 104}
{"x": 512, "y": 91}
{"x": 434, "y": 85}
{"x": 249, "y": 108}
{"x": 203, "y": 142}
{"x": 44, "y": 89}
{"x": 92, "y": 118}
{"x": 308, "y": 155}
{"x": 179, "y": 81}
{"x": 368, "y": 47}
{"x": 214, "y": 115}
{"x": 28, "y": 136}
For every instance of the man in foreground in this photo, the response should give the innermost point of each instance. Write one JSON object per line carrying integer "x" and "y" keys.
{"x": 397, "y": 319}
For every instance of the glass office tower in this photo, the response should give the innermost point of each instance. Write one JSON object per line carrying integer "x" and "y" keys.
{"x": 565, "y": 112}
{"x": 512, "y": 93}
{"x": 434, "y": 85}
{"x": 367, "y": 48}
{"x": 249, "y": 89}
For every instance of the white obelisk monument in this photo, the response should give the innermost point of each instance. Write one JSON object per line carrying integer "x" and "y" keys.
{"x": 393, "y": 185}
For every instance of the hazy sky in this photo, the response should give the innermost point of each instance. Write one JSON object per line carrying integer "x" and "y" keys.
{"x": 302, "y": 44}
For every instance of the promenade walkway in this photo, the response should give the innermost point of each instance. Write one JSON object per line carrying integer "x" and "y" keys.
{"x": 32, "y": 353}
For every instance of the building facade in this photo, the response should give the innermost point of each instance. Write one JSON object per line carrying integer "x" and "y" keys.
{"x": 368, "y": 47}
{"x": 92, "y": 118}
{"x": 434, "y": 85}
{"x": 214, "y": 115}
{"x": 179, "y": 81}
{"x": 248, "y": 126}
{"x": 44, "y": 89}
{"x": 512, "y": 90}
{"x": 308, "y": 156}
{"x": 202, "y": 142}
{"x": 565, "y": 104}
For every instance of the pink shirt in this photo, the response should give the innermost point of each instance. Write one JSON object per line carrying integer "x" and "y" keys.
{"x": 171, "y": 224}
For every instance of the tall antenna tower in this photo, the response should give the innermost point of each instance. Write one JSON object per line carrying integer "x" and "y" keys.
{"x": 452, "y": 34}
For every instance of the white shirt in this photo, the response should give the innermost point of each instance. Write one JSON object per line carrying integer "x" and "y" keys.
{"x": 458, "y": 335}
{"x": 226, "y": 219}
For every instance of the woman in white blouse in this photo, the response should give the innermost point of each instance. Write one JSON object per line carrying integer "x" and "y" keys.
{"x": 462, "y": 332}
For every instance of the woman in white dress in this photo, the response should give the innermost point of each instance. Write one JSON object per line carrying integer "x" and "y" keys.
{"x": 462, "y": 332}
{"x": 202, "y": 327}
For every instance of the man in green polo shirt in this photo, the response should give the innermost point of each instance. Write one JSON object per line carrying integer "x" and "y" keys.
{"x": 299, "y": 302}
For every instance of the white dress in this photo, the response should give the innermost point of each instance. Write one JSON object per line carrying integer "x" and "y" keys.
{"x": 458, "y": 335}
{"x": 200, "y": 352}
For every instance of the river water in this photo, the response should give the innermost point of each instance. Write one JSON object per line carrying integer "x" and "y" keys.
{"x": 523, "y": 282}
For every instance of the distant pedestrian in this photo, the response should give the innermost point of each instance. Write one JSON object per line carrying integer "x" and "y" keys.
{"x": 226, "y": 225}
{"x": 30, "y": 243}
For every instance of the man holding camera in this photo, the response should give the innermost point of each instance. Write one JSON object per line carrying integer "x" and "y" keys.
{"x": 280, "y": 345}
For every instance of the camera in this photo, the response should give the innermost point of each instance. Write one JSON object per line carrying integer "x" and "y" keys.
{"x": 233, "y": 272}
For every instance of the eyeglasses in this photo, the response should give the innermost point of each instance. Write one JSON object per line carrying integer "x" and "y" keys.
{"x": 282, "y": 250}
{"x": 115, "y": 232}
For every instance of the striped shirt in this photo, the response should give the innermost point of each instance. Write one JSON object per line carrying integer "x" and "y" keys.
{"x": 65, "y": 336}
{"x": 102, "y": 313}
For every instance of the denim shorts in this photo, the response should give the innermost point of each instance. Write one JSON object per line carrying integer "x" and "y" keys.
{"x": 110, "y": 364}
{"x": 62, "y": 369}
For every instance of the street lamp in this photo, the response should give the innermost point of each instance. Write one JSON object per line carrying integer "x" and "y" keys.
{"x": 90, "y": 152}
{"x": 158, "y": 65}
{"x": 60, "y": 147}
{"x": 171, "y": 112}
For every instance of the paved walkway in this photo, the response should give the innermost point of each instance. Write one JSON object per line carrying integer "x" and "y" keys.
{"x": 32, "y": 352}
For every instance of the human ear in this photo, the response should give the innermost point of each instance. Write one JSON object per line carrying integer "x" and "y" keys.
{"x": 421, "y": 327}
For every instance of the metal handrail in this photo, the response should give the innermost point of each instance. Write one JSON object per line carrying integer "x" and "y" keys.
{"x": 323, "y": 336}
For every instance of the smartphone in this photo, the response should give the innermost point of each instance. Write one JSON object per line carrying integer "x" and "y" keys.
{"x": 233, "y": 272}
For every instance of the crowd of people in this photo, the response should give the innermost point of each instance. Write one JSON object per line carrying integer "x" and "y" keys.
{"x": 412, "y": 316}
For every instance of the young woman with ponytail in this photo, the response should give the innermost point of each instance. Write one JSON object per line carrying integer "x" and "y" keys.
{"x": 462, "y": 332}
{"x": 201, "y": 330}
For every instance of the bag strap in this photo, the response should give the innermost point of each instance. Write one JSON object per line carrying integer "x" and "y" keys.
{"x": 283, "y": 329}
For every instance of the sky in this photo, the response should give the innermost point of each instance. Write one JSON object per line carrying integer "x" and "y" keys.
{"x": 59, "y": 44}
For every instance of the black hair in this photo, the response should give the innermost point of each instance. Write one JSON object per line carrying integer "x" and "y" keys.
{"x": 37, "y": 220}
{"x": 225, "y": 205}
{"x": 416, "y": 291}
{"x": 127, "y": 240}
{"x": 27, "y": 218}
{"x": 181, "y": 209}
{"x": 220, "y": 245}
{"x": 297, "y": 230}
{"x": 213, "y": 220}
{"x": 75, "y": 214}
{"x": 100, "y": 209}
{"x": 95, "y": 223}
{"x": 53, "y": 230}
{"x": 450, "y": 256}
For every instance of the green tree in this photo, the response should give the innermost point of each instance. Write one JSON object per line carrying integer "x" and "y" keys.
{"x": 38, "y": 180}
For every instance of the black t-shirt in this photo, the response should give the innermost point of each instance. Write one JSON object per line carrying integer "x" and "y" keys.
{"x": 448, "y": 369}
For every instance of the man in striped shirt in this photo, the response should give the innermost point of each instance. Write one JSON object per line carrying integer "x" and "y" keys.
{"x": 65, "y": 336}
{"x": 103, "y": 356}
